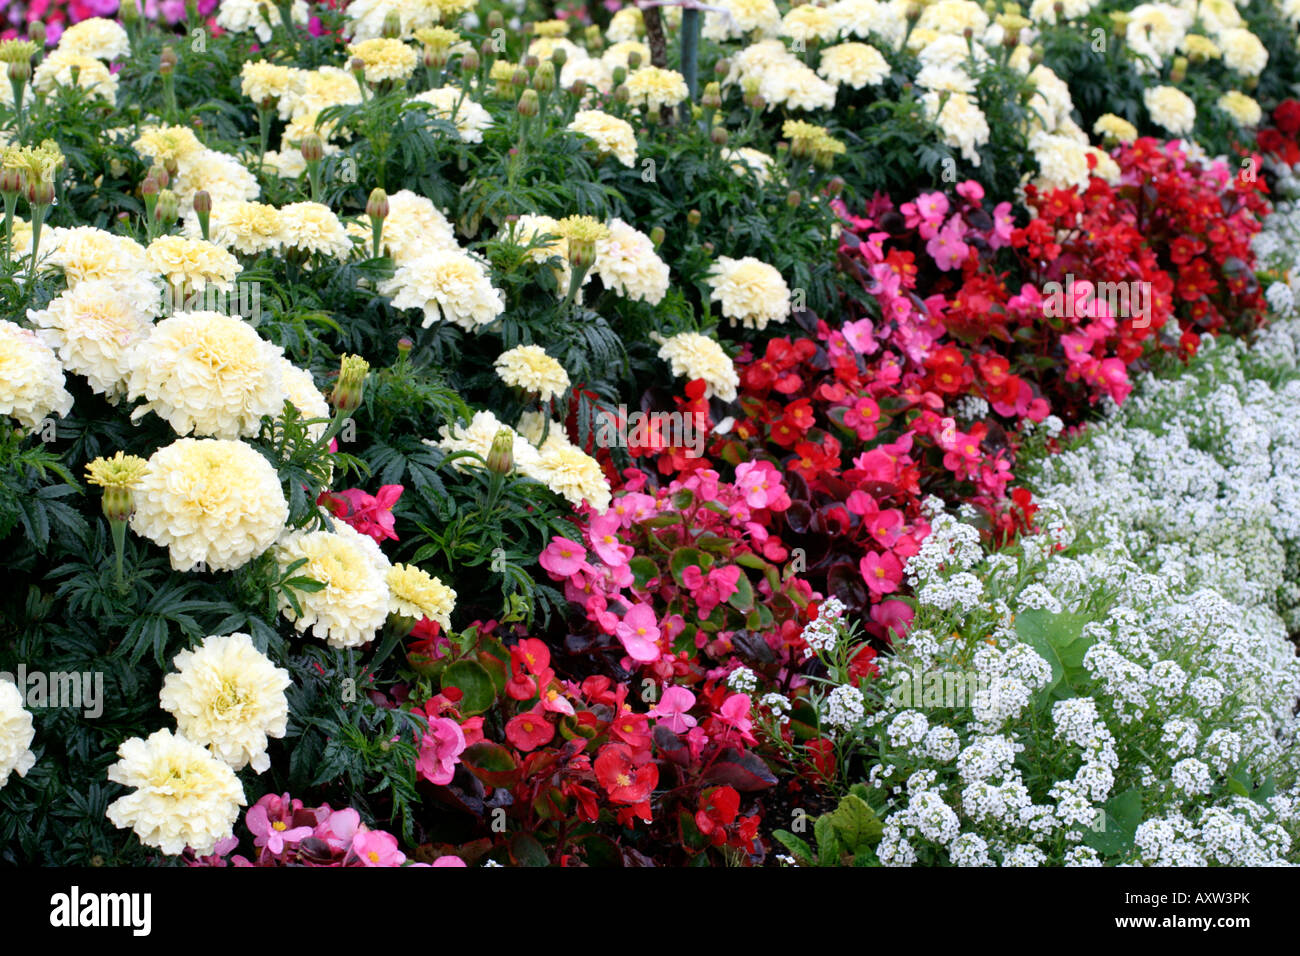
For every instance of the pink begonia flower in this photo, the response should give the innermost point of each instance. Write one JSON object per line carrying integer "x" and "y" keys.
{"x": 948, "y": 247}
{"x": 926, "y": 213}
{"x": 885, "y": 526}
{"x": 440, "y": 750}
{"x": 605, "y": 542}
{"x": 556, "y": 703}
{"x": 761, "y": 485}
{"x": 638, "y": 632}
{"x": 449, "y": 860}
{"x": 894, "y": 616}
{"x": 563, "y": 557}
{"x": 971, "y": 190}
{"x": 377, "y": 848}
{"x": 734, "y": 714}
{"x": 1003, "y": 223}
{"x": 882, "y": 572}
{"x": 710, "y": 590}
{"x": 369, "y": 514}
{"x": 860, "y": 335}
{"x": 671, "y": 711}
{"x": 269, "y": 820}
{"x": 340, "y": 828}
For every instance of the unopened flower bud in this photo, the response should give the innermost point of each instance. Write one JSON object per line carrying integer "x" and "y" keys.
{"x": 619, "y": 74}
{"x": 128, "y": 12}
{"x": 377, "y": 205}
{"x": 711, "y": 98}
{"x": 579, "y": 88}
{"x": 148, "y": 188}
{"x": 358, "y": 68}
{"x": 595, "y": 40}
{"x": 392, "y": 26}
{"x": 167, "y": 61}
{"x": 311, "y": 147}
{"x": 758, "y": 104}
{"x": 11, "y": 181}
{"x": 708, "y": 248}
{"x": 404, "y": 346}
{"x": 469, "y": 62}
{"x": 560, "y": 57}
{"x": 657, "y": 235}
{"x": 495, "y": 20}
{"x": 634, "y": 59}
{"x": 722, "y": 68}
{"x": 621, "y": 93}
{"x": 501, "y": 456}
{"x": 168, "y": 207}
{"x": 693, "y": 218}
{"x": 793, "y": 198}
{"x": 528, "y": 103}
{"x": 36, "y": 33}
{"x": 519, "y": 78}
{"x": 835, "y": 186}
{"x": 1178, "y": 72}
{"x": 19, "y": 70}
{"x": 530, "y": 62}
{"x": 351, "y": 385}
{"x": 544, "y": 78}
{"x": 718, "y": 136}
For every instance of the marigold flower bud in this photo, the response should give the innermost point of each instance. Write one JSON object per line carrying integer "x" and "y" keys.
{"x": 633, "y": 60}
{"x": 351, "y": 385}
{"x": 160, "y": 174}
{"x": 167, "y": 61}
{"x": 693, "y": 218}
{"x": 718, "y": 136}
{"x": 578, "y": 89}
{"x": 544, "y": 78}
{"x": 168, "y": 207}
{"x": 469, "y": 62}
{"x": 377, "y": 205}
{"x": 793, "y": 198}
{"x": 149, "y": 187}
{"x": 495, "y": 20}
{"x": 20, "y": 70}
{"x": 560, "y": 57}
{"x": 528, "y": 103}
{"x": 530, "y": 62}
{"x": 501, "y": 456}
{"x": 312, "y": 149}
{"x": 619, "y": 74}
{"x": 657, "y": 235}
{"x": 392, "y": 26}
{"x": 36, "y": 33}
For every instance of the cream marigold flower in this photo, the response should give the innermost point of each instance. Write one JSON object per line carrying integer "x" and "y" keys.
{"x": 960, "y": 120}
{"x": 1200, "y": 48}
{"x": 354, "y": 603}
{"x": 628, "y": 265}
{"x": 446, "y": 284}
{"x": 85, "y": 253}
{"x": 953, "y": 17}
{"x": 208, "y": 374}
{"x": 211, "y": 502}
{"x": 241, "y": 16}
{"x": 1114, "y": 128}
{"x": 122, "y": 471}
{"x": 609, "y": 133}
{"x": 96, "y": 37}
{"x": 696, "y": 356}
{"x": 651, "y": 87}
{"x": 312, "y": 227}
{"x": 229, "y": 697}
{"x": 163, "y": 143}
{"x": 16, "y": 733}
{"x": 1243, "y": 52}
{"x": 31, "y": 378}
{"x": 415, "y": 594}
{"x": 93, "y": 328}
{"x": 617, "y": 55}
{"x": 750, "y": 291}
{"x": 741, "y": 17}
{"x": 1062, "y": 162}
{"x": 569, "y": 471}
{"x": 250, "y": 228}
{"x": 528, "y": 367}
{"x": 261, "y": 81}
{"x": 183, "y": 797}
{"x": 627, "y": 24}
{"x": 1170, "y": 108}
{"x": 221, "y": 176}
{"x": 192, "y": 263}
{"x": 809, "y": 23}
{"x": 385, "y": 59}
{"x": 57, "y": 69}
{"x": 854, "y": 64}
{"x": 447, "y": 102}
{"x": 1244, "y": 110}
{"x": 796, "y": 86}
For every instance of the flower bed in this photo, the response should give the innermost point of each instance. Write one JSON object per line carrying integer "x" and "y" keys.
{"x": 443, "y": 435}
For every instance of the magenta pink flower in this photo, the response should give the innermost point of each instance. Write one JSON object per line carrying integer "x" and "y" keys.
{"x": 271, "y": 822}
{"x": 562, "y": 557}
{"x": 671, "y": 711}
{"x": 882, "y": 572}
{"x": 638, "y": 632}
{"x": 947, "y": 246}
{"x": 339, "y": 829}
{"x": 440, "y": 750}
{"x": 376, "y": 848}
{"x": 369, "y": 514}
{"x": 605, "y": 541}
{"x": 449, "y": 860}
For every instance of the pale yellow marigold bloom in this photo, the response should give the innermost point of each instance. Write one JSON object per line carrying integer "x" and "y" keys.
{"x": 415, "y": 594}
{"x": 750, "y": 292}
{"x": 182, "y": 795}
{"x": 93, "y": 328}
{"x": 211, "y": 502}
{"x": 229, "y": 697}
{"x": 31, "y": 378}
{"x": 385, "y": 59}
{"x": 354, "y": 603}
{"x": 610, "y": 134}
{"x": 692, "y": 356}
{"x": 528, "y": 367}
{"x": 16, "y": 734}
{"x": 651, "y": 87}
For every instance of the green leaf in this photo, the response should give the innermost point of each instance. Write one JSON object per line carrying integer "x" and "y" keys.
{"x": 683, "y": 558}
{"x": 856, "y": 824}
{"x": 798, "y": 848}
{"x": 1116, "y": 824}
{"x": 474, "y": 682}
{"x": 1058, "y": 640}
{"x": 643, "y": 570}
{"x": 828, "y": 844}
